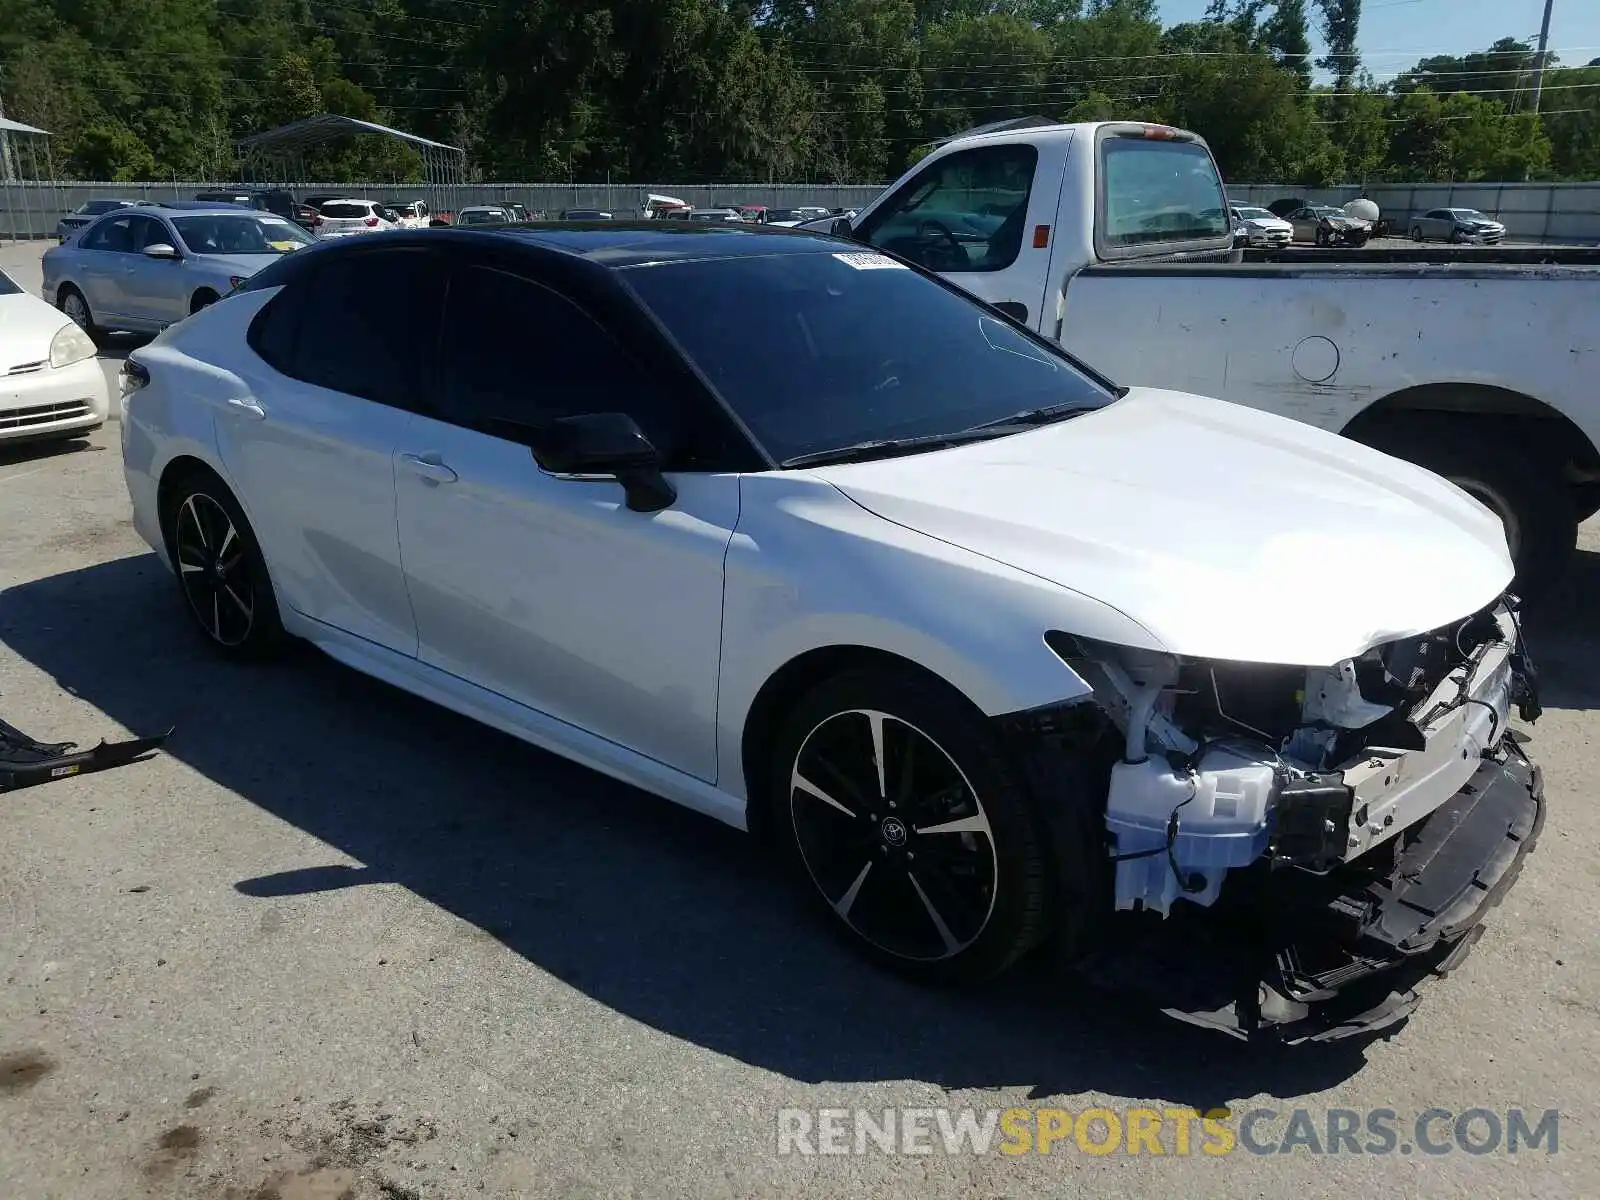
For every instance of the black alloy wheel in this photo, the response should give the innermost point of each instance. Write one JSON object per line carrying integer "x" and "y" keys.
{"x": 905, "y": 817}
{"x": 894, "y": 834}
{"x": 220, "y": 569}
{"x": 211, "y": 567}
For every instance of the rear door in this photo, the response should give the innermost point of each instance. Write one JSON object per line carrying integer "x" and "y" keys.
{"x": 982, "y": 216}
{"x": 105, "y": 254}
{"x": 340, "y": 359}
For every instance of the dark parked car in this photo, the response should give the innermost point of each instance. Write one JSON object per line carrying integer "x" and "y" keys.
{"x": 85, "y": 213}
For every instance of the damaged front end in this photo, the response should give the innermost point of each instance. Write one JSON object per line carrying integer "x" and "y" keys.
{"x": 1342, "y": 831}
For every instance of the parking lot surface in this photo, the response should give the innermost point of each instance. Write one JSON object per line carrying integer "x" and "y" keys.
{"x": 338, "y": 942}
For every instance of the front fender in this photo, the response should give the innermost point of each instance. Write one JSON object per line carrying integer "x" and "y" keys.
{"x": 808, "y": 570}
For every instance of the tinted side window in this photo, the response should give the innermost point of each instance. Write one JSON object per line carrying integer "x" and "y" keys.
{"x": 514, "y": 350}
{"x": 966, "y": 212}
{"x": 112, "y": 233}
{"x": 147, "y": 231}
{"x": 365, "y": 325}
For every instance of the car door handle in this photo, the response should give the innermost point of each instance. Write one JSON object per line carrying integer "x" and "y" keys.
{"x": 247, "y": 405}
{"x": 430, "y": 467}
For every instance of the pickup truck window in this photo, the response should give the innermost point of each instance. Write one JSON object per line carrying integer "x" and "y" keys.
{"x": 1156, "y": 191}
{"x": 963, "y": 212}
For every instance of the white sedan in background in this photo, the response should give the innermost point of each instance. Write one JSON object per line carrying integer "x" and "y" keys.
{"x": 1261, "y": 227}
{"x": 50, "y": 384}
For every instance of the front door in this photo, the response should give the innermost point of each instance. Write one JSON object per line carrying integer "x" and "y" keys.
{"x": 983, "y": 217}
{"x": 549, "y": 590}
{"x": 342, "y": 354}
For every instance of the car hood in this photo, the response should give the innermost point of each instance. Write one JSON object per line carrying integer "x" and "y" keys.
{"x": 1226, "y": 532}
{"x": 27, "y": 324}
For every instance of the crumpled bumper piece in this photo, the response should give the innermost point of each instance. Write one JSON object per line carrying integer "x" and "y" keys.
{"x": 1293, "y": 957}
{"x": 25, "y": 762}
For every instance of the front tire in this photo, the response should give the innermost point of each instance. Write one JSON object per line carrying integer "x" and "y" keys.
{"x": 75, "y": 305}
{"x": 220, "y": 570}
{"x": 1416, "y": 233}
{"x": 893, "y": 800}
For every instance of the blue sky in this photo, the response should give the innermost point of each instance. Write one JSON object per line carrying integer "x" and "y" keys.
{"x": 1396, "y": 33}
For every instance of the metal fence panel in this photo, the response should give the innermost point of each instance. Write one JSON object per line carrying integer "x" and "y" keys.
{"x": 1562, "y": 212}
{"x": 30, "y": 209}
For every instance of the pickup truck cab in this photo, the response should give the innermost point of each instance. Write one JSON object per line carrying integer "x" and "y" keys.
{"x": 1115, "y": 239}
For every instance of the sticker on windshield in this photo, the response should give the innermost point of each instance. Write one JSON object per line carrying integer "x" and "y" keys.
{"x": 266, "y": 220}
{"x": 284, "y": 247}
{"x": 865, "y": 260}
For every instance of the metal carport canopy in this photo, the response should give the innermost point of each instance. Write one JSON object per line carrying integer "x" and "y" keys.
{"x": 444, "y": 167}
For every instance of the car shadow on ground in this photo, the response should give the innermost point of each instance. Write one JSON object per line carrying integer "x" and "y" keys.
{"x": 20, "y": 452}
{"x": 661, "y": 914}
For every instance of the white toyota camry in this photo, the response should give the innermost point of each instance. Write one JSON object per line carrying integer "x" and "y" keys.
{"x": 51, "y": 386}
{"x": 995, "y": 652}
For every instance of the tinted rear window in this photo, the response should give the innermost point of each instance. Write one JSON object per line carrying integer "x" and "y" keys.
{"x": 854, "y": 346}
{"x": 346, "y": 208}
{"x": 1159, "y": 191}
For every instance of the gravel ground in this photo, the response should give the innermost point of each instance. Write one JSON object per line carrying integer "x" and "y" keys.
{"x": 338, "y": 943}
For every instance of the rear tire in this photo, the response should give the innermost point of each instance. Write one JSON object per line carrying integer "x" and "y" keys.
{"x": 219, "y": 567}
{"x": 1416, "y": 233}
{"x": 1526, "y": 492}
{"x": 901, "y": 814}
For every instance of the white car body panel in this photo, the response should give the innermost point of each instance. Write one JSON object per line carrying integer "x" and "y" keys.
{"x": 37, "y": 399}
{"x": 552, "y": 593}
{"x": 1154, "y": 506}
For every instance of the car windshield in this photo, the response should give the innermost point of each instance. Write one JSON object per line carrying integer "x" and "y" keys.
{"x": 219, "y": 233}
{"x": 481, "y": 216}
{"x": 403, "y": 210}
{"x": 784, "y": 214}
{"x": 8, "y": 286}
{"x": 1255, "y": 214}
{"x": 1327, "y": 212}
{"x": 855, "y": 347}
{"x": 1469, "y": 214}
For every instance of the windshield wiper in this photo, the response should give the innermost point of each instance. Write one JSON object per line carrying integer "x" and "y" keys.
{"x": 1037, "y": 416}
{"x": 885, "y": 448}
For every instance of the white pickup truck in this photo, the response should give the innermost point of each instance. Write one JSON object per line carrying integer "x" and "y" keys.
{"x": 1114, "y": 238}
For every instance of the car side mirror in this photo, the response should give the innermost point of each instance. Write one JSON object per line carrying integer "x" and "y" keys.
{"x": 606, "y": 443}
{"x": 161, "y": 250}
{"x": 842, "y": 228}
